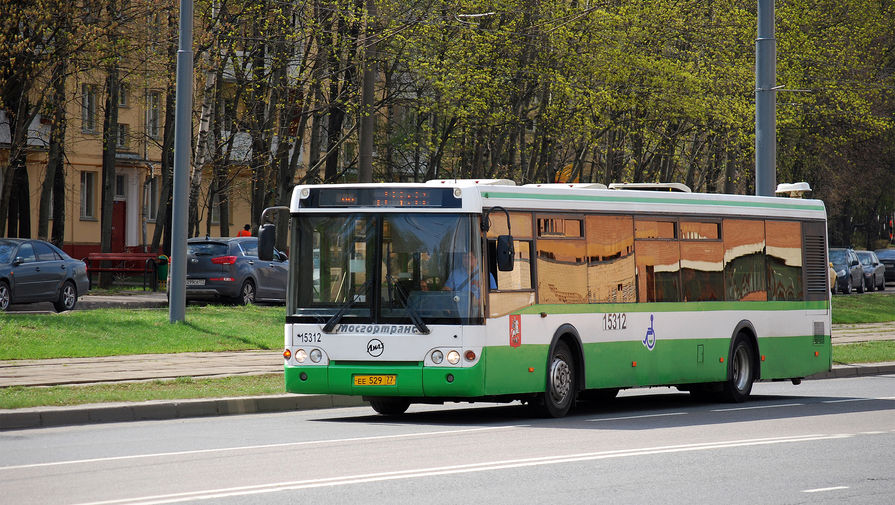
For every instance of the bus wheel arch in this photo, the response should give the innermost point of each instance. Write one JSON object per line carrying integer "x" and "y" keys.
{"x": 742, "y": 365}
{"x": 564, "y": 373}
{"x": 746, "y": 329}
{"x": 569, "y": 334}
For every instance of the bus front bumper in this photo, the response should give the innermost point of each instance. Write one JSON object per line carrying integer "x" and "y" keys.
{"x": 409, "y": 380}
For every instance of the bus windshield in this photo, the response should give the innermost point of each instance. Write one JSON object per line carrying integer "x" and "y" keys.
{"x": 398, "y": 268}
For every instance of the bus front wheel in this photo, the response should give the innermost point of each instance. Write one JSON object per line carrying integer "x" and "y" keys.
{"x": 560, "y": 391}
{"x": 741, "y": 371}
{"x": 389, "y": 406}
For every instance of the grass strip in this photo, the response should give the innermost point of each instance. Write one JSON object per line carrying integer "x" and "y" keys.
{"x": 864, "y": 352}
{"x": 16, "y": 397}
{"x": 113, "y": 332}
{"x": 857, "y": 308}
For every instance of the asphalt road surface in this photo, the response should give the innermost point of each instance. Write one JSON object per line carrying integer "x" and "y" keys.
{"x": 829, "y": 441}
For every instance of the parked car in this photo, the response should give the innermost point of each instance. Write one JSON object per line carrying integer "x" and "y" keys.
{"x": 37, "y": 271}
{"x": 874, "y": 271}
{"x": 229, "y": 269}
{"x": 849, "y": 274}
{"x": 887, "y": 258}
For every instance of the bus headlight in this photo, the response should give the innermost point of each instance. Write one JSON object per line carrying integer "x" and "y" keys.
{"x": 301, "y": 355}
{"x": 437, "y": 357}
{"x": 316, "y": 355}
{"x": 453, "y": 357}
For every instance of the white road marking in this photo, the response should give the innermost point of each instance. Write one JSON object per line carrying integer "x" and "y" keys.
{"x": 254, "y": 447}
{"x": 451, "y": 470}
{"x": 759, "y": 407}
{"x": 859, "y": 399}
{"x": 636, "y": 417}
{"x": 822, "y": 489}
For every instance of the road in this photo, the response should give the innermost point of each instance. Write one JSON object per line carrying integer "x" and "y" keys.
{"x": 828, "y": 441}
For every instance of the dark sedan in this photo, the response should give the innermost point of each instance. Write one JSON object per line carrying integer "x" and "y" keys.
{"x": 849, "y": 274}
{"x": 874, "y": 271}
{"x": 37, "y": 271}
{"x": 887, "y": 258}
{"x": 229, "y": 269}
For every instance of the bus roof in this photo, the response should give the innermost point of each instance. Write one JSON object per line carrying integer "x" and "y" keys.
{"x": 472, "y": 195}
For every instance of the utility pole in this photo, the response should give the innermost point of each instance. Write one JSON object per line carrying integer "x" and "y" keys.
{"x": 182, "y": 131}
{"x": 365, "y": 149}
{"x": 765, "y": 101}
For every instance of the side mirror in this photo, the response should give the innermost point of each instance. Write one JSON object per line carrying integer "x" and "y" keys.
{"x": 18, "y": 261}
{"x": 505, "y": 253}
{"x": 267, "y": 236}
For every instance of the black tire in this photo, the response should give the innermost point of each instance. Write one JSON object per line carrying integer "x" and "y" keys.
{"x": 847, "y": 289}
{"x": 68, "y": 297}
{"x": 560, "y": 389}
{"x": 390, "y": 406}
{"x": 740, "y": 371}
{"x": 861, "y": 287}
{"x": 5, "y": 296}
{"x": 246, "y": 293}
{"x": 871, "y": 286}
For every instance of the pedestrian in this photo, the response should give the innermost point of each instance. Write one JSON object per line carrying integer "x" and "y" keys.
{"x": 245, "y": 231}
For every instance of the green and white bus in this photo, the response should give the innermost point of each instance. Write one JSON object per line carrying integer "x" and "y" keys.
{"x": 462, "y": 290}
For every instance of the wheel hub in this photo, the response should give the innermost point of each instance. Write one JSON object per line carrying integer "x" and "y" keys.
{"x": 561, "y": 380}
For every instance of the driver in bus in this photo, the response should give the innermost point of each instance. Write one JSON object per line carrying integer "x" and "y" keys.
{"x": 466, "y": 273}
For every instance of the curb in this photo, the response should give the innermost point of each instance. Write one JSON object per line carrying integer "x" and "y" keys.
{"x": 859, "y": 370}
{"x": 44, "y": 417}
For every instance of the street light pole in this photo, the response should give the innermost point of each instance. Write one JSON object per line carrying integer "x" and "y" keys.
{"x": 182, "y": 150}
{"x": 765, "y": 101}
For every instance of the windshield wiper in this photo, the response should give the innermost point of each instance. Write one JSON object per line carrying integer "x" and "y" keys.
{"x": 333, "y": 321}
{"x": 414, "y": 316}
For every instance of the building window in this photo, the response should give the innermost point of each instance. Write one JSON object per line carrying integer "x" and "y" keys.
{"x": 153, "y": 107}
{"x": 121, "y": 141}
{"x": 122, "y": 95}
{"x": 150, "y": 204}
{"x": 120, "y": 186}
{"x": 88, "y": 195}
{"x": 88, "y": 108}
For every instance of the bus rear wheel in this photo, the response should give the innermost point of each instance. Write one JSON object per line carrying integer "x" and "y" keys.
{"x": 559, "y": 394}
{"x": 389, "y": 406}
{"x": 740, "y": 371}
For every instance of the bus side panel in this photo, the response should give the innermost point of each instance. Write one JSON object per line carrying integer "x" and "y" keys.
{"x": 791, "y": 357}
{"x": 512, "y": 370}
{"x": 631, "y": 364}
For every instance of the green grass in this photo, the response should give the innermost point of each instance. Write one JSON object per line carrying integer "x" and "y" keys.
{"x": 16, "y": 397}
{"x": 864, "y": 352}
{"x": 857, "y": 308}
{"x": 112, "y": 332}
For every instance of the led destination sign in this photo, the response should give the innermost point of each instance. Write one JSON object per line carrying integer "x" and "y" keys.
{"x": 383, "y": 197}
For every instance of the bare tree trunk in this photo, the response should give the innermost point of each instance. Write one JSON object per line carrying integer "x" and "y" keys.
{"x": 55, "y": 156}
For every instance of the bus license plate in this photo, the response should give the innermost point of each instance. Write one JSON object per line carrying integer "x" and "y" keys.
{"x": 375, "y": 380}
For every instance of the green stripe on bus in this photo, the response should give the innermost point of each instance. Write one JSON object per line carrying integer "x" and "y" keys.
{"x": 795, "y": 205}
{"x": 505, "y": 370}
{"x": 599, "y": 308}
